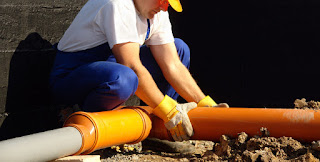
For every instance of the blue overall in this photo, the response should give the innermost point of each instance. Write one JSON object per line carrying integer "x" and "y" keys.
{"x": 93, "y": 79}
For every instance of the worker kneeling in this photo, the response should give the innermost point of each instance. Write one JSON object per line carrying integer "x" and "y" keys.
{"x": 117, "y": 48}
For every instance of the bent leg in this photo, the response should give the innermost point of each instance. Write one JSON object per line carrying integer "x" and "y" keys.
{"x": 97, "y": 86}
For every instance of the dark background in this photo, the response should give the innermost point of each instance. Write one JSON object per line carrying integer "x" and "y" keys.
{"x": 253, "y": 53}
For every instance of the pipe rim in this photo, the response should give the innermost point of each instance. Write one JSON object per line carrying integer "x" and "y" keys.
{"x": 142, "y": 113}
{"x": 82, "y": 150}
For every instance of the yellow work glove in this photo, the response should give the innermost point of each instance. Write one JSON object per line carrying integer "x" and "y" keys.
{"x": 175, "y": 117}
{"x": 209, "y": 102}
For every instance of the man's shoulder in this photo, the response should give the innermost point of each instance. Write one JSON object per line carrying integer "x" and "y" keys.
{"x": 161, "y": 16}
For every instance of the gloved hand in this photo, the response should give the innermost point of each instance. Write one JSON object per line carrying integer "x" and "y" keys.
{"x": 209, "y": 102}
{"x": 176, "y": 117}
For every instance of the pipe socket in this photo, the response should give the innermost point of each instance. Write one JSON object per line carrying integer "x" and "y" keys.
{"x": 109, "y": 128}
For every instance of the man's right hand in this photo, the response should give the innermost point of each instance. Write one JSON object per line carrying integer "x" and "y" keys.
{"x": 176, "y": 117}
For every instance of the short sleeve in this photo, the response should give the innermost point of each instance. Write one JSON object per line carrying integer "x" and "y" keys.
{"x": 162, "y": 33}
{"x": 118, "y": 22}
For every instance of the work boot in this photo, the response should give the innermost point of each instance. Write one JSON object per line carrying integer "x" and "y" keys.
{"x": 158, "y": 145}
{"x": 64, "y": 111}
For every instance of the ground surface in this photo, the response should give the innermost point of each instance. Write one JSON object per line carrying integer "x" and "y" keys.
{"x": 242, "y": 148}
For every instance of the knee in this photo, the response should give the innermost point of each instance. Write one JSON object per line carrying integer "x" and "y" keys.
{"x": 112, "y": 93}
{"x": 127, "y": 83}
{"x": 180, "y": 44}
{"x": 183, "y": 51}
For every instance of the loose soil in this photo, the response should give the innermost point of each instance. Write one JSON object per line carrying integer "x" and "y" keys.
{"x": 242, "y": 148}
{"x": 303, "y": 104}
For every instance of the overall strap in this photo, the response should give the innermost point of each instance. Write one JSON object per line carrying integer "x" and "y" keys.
{"x": 148, "y": 31}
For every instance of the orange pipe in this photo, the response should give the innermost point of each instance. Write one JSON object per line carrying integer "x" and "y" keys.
{"x": 211, "y": 123}
{"x": 131, "y": 125}
{"x": 109, "y": 128}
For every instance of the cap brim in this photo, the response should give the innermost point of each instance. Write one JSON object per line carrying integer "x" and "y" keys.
{"x": 176, "y": 5}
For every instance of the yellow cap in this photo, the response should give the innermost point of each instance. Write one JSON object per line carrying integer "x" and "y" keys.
{"x": 176, "y": 5}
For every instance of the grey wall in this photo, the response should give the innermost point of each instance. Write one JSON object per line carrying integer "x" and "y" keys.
{"x": 19, "y": 18}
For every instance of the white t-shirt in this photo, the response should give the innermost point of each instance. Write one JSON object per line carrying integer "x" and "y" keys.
{"x": 115, "y": 22}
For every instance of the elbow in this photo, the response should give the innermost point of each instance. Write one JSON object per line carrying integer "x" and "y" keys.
{"x": 137, "y": 68}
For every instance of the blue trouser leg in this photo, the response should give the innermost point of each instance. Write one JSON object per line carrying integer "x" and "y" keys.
{"x": 96, "y": 82}
{"x": 97, "y": 86}
{"x": 87, "y": 79}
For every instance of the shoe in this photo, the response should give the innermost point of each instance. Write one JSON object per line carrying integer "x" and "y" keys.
{"x": 158, "y": 145}
{"x": 64, "y": 111}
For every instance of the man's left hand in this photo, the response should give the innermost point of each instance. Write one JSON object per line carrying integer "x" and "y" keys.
{"x": 209, "y": 102}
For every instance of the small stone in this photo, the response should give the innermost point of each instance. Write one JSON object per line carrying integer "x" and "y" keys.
{"x": 315, "y": 145}
{"x": 135, "y": 157}
{"x": 242, "y": 137}
{"x": 300, "y": 104}
{"x": 307, "y": 157}
{"x": 264, "y": 131}
{"x": 223, "y": 147}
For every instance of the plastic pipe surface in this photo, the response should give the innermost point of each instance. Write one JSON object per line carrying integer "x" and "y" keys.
{"x": 109, "y": 128}
{"x": 43, "y": 146}
{"x": 131, "y": 125}
{"x": 211, "y": 123}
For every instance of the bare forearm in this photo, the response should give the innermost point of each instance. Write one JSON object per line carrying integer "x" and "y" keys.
{"x": 182, "y": 81}
{"x": 176, "y": 73}
{"x": 147, "y": 89}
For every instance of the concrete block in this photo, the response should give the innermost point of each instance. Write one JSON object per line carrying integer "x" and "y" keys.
{"x": 79, "y": 158}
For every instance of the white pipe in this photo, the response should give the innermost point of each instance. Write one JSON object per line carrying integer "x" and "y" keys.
{"x": 44, "y": 146}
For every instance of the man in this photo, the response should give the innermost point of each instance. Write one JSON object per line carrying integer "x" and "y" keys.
{"x": 101, "y": 62}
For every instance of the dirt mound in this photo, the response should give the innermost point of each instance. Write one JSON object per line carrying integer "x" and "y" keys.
{"x": 242, "y": 148}
{"x": 260, "y": 148}
{"x": 303, "y": 104}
